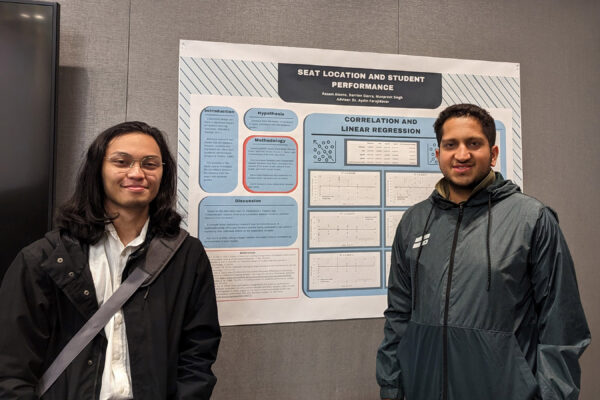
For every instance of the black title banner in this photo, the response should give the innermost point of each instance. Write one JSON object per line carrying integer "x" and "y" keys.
{"x": 302, "y": 83}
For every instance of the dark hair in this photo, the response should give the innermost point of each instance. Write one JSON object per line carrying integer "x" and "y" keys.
{"x": 83, "y": 216}
{"x": 466, "y": 110}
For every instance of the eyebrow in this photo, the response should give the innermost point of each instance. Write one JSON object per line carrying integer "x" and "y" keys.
{"x": 122, "y": 153}
{"x": 465, "y": 139}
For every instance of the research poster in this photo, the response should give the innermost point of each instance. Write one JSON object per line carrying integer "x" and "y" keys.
{"x": 296, "y": 165}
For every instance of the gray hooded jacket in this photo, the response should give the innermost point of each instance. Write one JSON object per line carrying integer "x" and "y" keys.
{"x": 482, "y": 302}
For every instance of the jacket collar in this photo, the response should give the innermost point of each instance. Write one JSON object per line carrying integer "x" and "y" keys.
{"x": 67, "y": 266}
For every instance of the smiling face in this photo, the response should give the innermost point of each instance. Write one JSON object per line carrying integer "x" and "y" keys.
{"x": 131, "y": 189}
{"x": 465, "y": 156}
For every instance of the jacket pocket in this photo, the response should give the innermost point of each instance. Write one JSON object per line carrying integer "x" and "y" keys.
{"x": 420, "y": 357}
{"x": 526, "y": 372}
{"x": 487, "y": 365}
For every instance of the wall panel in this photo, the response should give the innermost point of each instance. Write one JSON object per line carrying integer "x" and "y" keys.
{"x": 119, "y": 61}
{"x": 92, "y": 81}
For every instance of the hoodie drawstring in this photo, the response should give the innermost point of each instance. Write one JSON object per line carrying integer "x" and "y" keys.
{"x": 487, "y": 243}
{"x": 419, "y": 256}
{"x": 489, "y": 228}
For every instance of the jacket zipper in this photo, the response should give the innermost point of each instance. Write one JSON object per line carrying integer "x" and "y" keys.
{"x": 447, "y": 305}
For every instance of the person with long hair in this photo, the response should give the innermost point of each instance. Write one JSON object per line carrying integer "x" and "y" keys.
{"x": 162, "y": 342}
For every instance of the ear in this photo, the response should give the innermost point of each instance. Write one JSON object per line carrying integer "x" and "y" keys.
{"x": 494, "y": 158}
{"x": 437, "y": 155}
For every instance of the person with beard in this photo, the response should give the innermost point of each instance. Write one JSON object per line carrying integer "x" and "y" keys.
{"x": 483, "y": 300}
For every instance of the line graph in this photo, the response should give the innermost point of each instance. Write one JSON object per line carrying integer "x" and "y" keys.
{"x": 344, "y": 229}
{"x": 345, "y": 188}
{"x": 344, "y": 270}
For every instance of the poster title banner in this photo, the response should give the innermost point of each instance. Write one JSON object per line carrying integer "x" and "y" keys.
{"x": 319, "y": 84}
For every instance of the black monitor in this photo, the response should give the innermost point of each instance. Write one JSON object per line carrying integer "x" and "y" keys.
{"x": 28, "y": 69}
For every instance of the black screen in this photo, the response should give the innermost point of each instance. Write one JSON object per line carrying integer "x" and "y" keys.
{"x": 28, "y": 59}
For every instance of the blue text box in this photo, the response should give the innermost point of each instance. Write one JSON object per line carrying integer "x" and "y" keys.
{"x": 271, "y": 120}
{"x": 270, "y": 164}
{"x": 226, "y": 221}
{"x": 218, "y": 149}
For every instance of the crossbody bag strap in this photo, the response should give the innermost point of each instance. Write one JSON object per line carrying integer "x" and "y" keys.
{"x": 159, "y": 253}
{"x": 91, "y": 328}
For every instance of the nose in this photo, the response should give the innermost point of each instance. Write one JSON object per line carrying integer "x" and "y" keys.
{"x": 135, "y": 171}
{"x": 462, "y": 153}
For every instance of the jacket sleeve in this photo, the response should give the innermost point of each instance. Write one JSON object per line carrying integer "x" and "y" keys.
{"x": 25, "y": 329}
{"x": 397, "y": 316}
{"x": 563, "y": 330}
{"x": 200, "y": 337}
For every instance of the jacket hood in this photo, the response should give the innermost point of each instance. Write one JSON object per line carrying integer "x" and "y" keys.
{"x": 498, "y": 190}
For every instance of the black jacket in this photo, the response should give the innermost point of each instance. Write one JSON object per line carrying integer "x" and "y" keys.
{"x": 482, "y": 302}
{"x": 171, "y": 322}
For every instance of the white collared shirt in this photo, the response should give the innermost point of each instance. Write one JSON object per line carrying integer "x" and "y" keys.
{"x": 107, "y": 260}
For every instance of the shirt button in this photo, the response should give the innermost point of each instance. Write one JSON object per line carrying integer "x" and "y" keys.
{"x": 71, "y": 274}
{"x": 86, "y": 292}
{"x": 59, "y": 260}
{"x": 116, "y": 355}
{"x": 90, "y": 362}
{"x": 118, "y": 319}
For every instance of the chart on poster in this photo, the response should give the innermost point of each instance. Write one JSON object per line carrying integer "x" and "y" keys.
{"x": 295, "y": 167}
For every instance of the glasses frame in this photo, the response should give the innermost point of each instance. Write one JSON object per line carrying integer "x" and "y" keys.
{"x": 139, "y": 161}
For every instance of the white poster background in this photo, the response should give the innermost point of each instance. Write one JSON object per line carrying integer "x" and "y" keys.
{"x": 254, "y": 309}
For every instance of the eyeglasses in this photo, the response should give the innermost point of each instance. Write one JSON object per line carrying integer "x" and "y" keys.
{"x": 124, "y": 161}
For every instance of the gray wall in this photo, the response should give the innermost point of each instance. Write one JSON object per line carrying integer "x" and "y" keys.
{"x": 119, "y": 59}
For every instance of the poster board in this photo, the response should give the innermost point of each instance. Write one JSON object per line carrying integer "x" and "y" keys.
{"x": 295, "y": 166}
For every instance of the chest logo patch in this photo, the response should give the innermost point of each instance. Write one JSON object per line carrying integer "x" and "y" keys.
{"x": 421, "y": 241}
